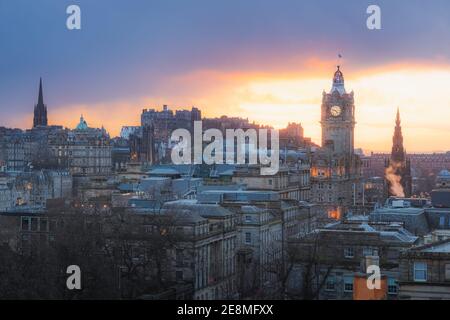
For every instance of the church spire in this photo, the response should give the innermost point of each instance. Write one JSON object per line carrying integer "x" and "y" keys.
{"x": 398, "y": 152}
{"x": 41, "y": 96}
{"x": 40, "y": 109}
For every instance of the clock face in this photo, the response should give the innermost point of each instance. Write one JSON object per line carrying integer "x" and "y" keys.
{"x": 335, "y": 111}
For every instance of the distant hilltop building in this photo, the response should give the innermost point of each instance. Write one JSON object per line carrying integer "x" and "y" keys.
{"x": 166, "y": 121}
{"x": 40, "y": 110}
{"x": 398, "y": 166}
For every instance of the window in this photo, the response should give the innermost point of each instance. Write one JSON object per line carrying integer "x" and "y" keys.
{"x": 52, "y": 226}
{"x": 392, "y": 286}
{"x": 43, "y": 225}
{"x": 420, "y": 271}
{"x": 25, "y": 223}
{"x": 248, "y": 218}
{"x": 447, "y": 272}
{"x": 368, "y": 251}
{"x": 270, "y": 182}
{"x": 442, "y": 221}
{"x": 248, "y": 237}
{"x": 34, "y": 224}
{"x": 348, "y": 284}
{"x": 348, "y": 252}
{"x": 330, "y": 284}
{"x": 179, "y": 257}
{"x": 179, "y": 275}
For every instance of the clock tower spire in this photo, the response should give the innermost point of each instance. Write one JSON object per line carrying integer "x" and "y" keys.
{"x": 338, "y": 117}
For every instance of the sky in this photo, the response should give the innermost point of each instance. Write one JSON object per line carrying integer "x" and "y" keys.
{"x": 269, "y": 61}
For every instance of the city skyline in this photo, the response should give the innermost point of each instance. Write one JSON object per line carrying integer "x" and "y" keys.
{"x": 284, "y": 62}
{"x": 139, "y": 160}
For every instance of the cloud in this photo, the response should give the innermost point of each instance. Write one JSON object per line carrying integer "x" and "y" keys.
{"x": 279, "y": 98}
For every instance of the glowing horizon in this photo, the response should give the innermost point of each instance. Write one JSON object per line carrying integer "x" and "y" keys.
{"x": 260, "y": 97}
{"x": 255, "y": 59}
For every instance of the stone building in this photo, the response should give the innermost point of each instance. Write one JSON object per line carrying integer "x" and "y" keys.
{"x": 417, "y": 216}
{"x": 292, "y": 137}
{"x": 166, "y": 121}
{"x": 335, "y": 168}
{"x": 425, "y": 272}
{"x": 209, "y": 260}
{"x": 33, "y": 189}
{"x": 89, "y": 150}
{"x": 326, "y": 261}
{"x": 291, "y": 182}
{"x": 265, "y": 223}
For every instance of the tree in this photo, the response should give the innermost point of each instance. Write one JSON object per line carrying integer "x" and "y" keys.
{"x": 311, "y": 255}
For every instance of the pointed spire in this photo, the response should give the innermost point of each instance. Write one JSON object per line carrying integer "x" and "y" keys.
{"x": 338, "y": 81}
{"x": 41, "y": 95}
{"x": 398, "y": 151}
{"x": 40, "y": 109}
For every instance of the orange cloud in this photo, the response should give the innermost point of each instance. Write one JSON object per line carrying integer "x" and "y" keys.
{"x": 283, "y": 95}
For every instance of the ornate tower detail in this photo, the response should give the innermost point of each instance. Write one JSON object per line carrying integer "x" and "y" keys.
{"x": 398, "y": 152}
{"x": 338, "y": 117}
{"x": 335, "y": 169}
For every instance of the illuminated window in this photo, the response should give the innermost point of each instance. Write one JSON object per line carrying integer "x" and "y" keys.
{"x": 420, "y": 271}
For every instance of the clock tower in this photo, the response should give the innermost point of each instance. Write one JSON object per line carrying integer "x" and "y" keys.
{"x": 335, "y": 168}
{"x": 338, "y": 117}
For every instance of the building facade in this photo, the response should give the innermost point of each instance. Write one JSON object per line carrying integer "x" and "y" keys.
{"x": 425, "y": 272}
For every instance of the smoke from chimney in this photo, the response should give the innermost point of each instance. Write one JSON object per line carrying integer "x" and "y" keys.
{"x": 391, "y": 175}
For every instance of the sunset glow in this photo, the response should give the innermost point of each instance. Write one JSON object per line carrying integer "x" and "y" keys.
{"x": 277, "y": 100}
